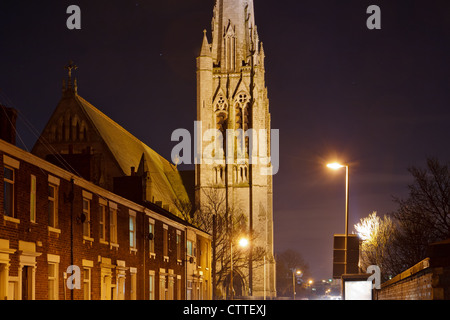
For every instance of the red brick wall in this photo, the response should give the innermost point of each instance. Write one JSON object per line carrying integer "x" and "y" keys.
{"x": 48, "y": 242}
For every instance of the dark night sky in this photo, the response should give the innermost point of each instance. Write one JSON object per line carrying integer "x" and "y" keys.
{"x": 378, "y": 100}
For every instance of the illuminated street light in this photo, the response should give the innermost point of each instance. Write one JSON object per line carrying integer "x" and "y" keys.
{"x": 336, "y": 166}
{"x": 295, "y": 272}
{"x": 243, "y": 242}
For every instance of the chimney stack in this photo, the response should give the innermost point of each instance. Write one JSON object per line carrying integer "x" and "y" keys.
{"x": 8, "y": 117}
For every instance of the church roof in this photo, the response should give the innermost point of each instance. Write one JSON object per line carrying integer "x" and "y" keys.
{"x": 167, "y": 185}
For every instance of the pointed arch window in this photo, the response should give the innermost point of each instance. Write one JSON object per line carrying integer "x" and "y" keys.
{"x": 243, "y": 117}
{"x": 240, "y": 174}
{"x": 219, "y": 175}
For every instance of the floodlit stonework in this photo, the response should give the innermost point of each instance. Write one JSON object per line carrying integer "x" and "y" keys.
{"x": 232, "y": 94}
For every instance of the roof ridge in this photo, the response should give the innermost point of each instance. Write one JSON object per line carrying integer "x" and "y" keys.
{"x": 90, "y": 105}
{"x": 122, "y": 129}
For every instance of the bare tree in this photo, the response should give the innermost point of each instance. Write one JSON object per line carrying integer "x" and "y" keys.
{"x": 423, "y": 217}
{"x": 401, "y": 239}
{"x": 376, "y": 234}
{"x": 227, "y": 225}
{"x": 288, "y": 262}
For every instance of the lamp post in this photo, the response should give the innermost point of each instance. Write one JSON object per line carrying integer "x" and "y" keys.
{"x": 336, "y": 166}
{"x": 295, "y": 272}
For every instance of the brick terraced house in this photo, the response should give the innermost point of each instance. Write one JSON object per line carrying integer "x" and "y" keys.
{"x": 52, "y": 219}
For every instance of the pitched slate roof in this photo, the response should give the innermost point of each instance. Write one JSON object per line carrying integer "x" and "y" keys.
{"x": 166, "y": 183}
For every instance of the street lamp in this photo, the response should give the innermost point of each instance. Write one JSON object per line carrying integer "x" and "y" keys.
{"x": 298, "y": 273}
{"x": 336, "y": 166}
{"x": 243, "y": 242}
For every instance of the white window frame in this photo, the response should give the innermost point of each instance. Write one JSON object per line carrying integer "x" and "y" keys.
{"x": 87, "y": 281}
{"x": 53, "y": 262}
{"x": 151, "y": 281}
{"x": 132, "y": 229}
{"x": 151, "y": 242}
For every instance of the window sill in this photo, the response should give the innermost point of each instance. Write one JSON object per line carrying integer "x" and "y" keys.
{"x": 103, "y": 242}
{"x": 114, "y": 245}
{"x": 133, "y": 250}
{"x": 152, "y": 255}
{"x": 11, "y": 219}
{"x": 55, "y": 230}
{"x": 166, "y": 259}
{"x": 88, "y": 239}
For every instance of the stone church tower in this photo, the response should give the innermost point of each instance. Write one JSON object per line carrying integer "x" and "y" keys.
{"x": 232, "y": 97}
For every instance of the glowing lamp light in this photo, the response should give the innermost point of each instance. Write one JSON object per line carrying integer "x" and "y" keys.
{"x": 243, "y": 242}
{"x": 335, "y": 166}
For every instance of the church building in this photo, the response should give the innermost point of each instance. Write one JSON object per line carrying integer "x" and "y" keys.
{"x": 87, "y": 142}
{"x": 232, "y": 96}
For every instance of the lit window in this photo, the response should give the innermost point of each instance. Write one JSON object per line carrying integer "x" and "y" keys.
{"x": 190, "y": 248}
{"x": 132, "y": 231}
{"x": 87, "y": 283}
{"x": 52, "y": 281}
{"x": 151, "y": 286}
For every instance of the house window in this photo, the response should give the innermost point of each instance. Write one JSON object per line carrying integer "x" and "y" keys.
{"x": 189, "y": 290}
{"x": 52, "y": 281}
{"x": 133, "y": 285}
{"x": 132, "y": 231}
{"x": 102, "y": 219}
{"x": 151, "y": 242}
{"x": 163, "y": 291}
{"x": 87, "y": 283}
{"x": 165, "y": 241}
{"x": 33, "y": 199}
{"x": 53, "y": 205}
{"x": 151, "y": 285}
{"x": 8, "y": 197}
{"x": 87, "y": 215}
{"x": 179, "y": 253}
{"x": 178, "y": 287}
{"x": 113, "y": 225}
{"x": 190, "y": 248}
{"x": 170, "y": 289}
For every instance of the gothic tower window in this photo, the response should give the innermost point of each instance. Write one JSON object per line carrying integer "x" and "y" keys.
{"x": 240, "y": 174}
{"x": 230, "y": 51}
{"x": 243, "y": 117}
{"x": 221, "y": 115}
{"x": 219, "y": 175}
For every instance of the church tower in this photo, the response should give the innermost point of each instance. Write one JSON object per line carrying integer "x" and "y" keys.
{"x": 234, "y": 122}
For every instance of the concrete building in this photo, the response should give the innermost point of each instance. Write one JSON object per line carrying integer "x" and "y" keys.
{"x": 232, "y": 97}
